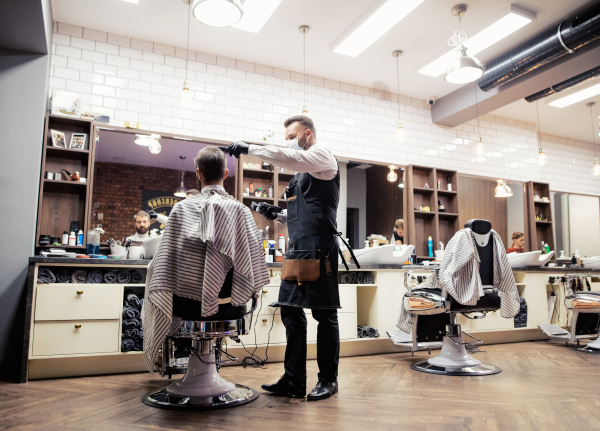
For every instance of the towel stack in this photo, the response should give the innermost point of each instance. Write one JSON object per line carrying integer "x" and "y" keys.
{"x": 132, "y": 335}
{"x": 521, "y": 317}
{"x": 46, "y": 276}
{"x": 366, "y": 332}
{"x": 355, "y": 278}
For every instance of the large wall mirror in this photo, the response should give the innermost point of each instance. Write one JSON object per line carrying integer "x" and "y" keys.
{"x": 576, "y": 224}
{"x": 128, "y": 178}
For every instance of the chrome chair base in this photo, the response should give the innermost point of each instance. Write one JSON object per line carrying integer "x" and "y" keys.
{"x": 476, "y": 370}
{"x": 587, "y": 349}
{"x": 164, "y": 400}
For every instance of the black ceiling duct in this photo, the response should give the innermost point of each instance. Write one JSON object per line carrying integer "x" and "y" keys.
{"x": 547, "y": 46}
{"x": 586, "y": 76}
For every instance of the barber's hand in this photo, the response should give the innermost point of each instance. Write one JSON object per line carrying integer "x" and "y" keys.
{"x": 267, "y": 211}
{"x": 237, "y": 148}
{"x": 153, "y": 215}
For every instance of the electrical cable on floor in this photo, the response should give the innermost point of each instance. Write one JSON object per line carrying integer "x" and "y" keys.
{"x": 254, "y": 360}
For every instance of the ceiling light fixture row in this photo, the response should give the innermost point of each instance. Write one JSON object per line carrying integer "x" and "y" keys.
{"x": 304, "y": 29}
{"x": 400, "y": 133}
{"x": 596, "y": 167}
{"x": 542, "y": 159}
{"x": 465, "y": 68}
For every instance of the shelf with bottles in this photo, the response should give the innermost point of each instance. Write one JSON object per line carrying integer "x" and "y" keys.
{"x": 447, "y": 204}
{"x": 446, "y": 181}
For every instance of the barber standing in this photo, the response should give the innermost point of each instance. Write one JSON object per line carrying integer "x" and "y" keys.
{"x": 312, "y": 200}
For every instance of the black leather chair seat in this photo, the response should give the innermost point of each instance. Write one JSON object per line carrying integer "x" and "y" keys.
{"x": 490, "y": 301}
{"x": 188, "y": 309}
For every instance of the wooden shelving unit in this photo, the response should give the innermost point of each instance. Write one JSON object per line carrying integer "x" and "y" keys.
{"x": 263, "y": 178}
{"x": 422, "y": 189}
{"x": 63, "y": 201}
{"x": 539, "y": 230}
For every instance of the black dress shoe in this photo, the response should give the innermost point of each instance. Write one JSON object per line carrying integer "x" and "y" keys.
{"x": 286, "y": 387}
{"x": 322, "y": 390}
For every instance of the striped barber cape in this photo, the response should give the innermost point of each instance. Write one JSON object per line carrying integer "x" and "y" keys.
{"x": 459, "y": 274}
{"x": 206, "y": 236}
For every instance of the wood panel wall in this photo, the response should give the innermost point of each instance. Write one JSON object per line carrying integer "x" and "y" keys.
{"x": 385, "y": 201}
{"x": 477, "y": 200}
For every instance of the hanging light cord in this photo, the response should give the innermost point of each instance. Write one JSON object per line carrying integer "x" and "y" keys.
{"x": 537, "y": 110}
{"x": 398, "y": 75}
{"x": 459, "y": 37}
{"x": 304, "y": 61}
{"x": 593, "y": 134}
{"x": 476, "y": 108}
{"x": 187, "y": 49}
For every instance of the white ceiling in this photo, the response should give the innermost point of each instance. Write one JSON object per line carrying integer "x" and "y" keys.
{"x": 422, "y": 36}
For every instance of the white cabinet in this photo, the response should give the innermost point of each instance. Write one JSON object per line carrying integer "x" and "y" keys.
{"x": 78, "y": 301}
{"x": 76, "y": 337}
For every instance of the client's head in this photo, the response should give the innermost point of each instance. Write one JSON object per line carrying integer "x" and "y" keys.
{"x": 211, "y": 166}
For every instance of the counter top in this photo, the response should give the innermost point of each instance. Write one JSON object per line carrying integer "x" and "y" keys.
{"x": 71, "y": 261}
{"x": 554, "y": 269}
{"x": 351, "y": 266}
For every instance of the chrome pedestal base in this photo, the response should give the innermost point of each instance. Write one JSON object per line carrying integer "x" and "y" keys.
{"x": 165, "y": 400}
{"x": 475, "y": 370}
{"x": 587, "y": 349}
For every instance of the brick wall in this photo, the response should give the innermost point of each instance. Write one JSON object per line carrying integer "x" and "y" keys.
{"x": 118, "y": 191}
{"x": 134, "y": 80}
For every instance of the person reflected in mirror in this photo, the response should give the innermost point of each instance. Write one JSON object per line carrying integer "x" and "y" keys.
{"x": 398, "y": 232}
{"x": 518, "y": 243}
{"x": 142, "y": 224}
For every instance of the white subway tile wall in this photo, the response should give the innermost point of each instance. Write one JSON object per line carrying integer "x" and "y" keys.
{"x": 140, "y": 81}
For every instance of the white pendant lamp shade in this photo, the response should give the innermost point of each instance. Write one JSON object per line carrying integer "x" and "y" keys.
{"x": 596, "y": 168}
{"x": 480, "y": 148}
{"x": 218, "y": 13}
{"x": 392, "y": 176}
{"x": 464, "y": 69}
{"x": 146, "y": 140}
{"x": 186, "y": 98}
{"x": 400, "y": 134}
{"x": 181, "y": 191}
{"x": 155, "y": 147}
{"x": 542, "y": 158}
{"x": 502, "y": 190}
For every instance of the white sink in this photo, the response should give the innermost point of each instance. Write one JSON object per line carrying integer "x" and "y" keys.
{"x": 384, "y": 255}
{"x": 518, "y": 260}
{"x": 545, "y": 258}
{"x": 591, "y": 262}
{"x": 151, "y": 247}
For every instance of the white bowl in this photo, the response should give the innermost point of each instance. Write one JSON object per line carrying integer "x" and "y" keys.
{"x": 151, "y": 247}
{"x": 591, "y": 262}
{"x": 118, "y": 250}
{"x": 384, "y": 255}
{"x": 519, "y": 260}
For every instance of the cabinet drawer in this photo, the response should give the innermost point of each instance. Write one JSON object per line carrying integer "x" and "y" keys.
{"x": 263, "y": 325}
{"x": 63, "y": 338}
{"x": 347, "y": 322}
{"x": 96, "y": 302}
{"x": 347, "y": 299}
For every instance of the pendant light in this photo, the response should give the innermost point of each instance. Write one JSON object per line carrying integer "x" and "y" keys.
{"x": 502, "y": 190}
{"x": 400, "y": 134}
{"x": 181, "y": 190}
{"x": 155, "y": 147}
{"x": 542, "y": 159}
{"x": 464, "y": 68}
{"x": 596, "y": 167}
{"x": 480, "y": 147}
{"x": 218, "y": 13}
{"x": 186, "y": 97}
{"x": 304, "y": 29}
{"x": 146, "y": 140}
{"x": 392, "y": 176}
{"x": 401, "y": 184}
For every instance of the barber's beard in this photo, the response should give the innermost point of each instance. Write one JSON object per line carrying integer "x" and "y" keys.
{"x": 141, "y": 230}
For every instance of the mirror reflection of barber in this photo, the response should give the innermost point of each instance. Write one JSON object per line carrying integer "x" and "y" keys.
{"x": 312, "y": 199}
{"x": 142, "y": 224}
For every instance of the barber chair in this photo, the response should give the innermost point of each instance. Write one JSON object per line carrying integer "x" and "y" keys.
{"x": 201, "y": 388}
{"x": 585, "y": 320}
{"x": 434, "y": 317}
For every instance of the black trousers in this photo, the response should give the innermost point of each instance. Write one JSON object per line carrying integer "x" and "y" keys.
{"x": 328, "y": 343}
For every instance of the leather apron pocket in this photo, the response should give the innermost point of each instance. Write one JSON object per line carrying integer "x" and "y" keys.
{"x": 298, "y": 266}
{"x": 292, "y": 203}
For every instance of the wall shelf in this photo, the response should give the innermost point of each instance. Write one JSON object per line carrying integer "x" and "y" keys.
{"x": 537, "y": 230}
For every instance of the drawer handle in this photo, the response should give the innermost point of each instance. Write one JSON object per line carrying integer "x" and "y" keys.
{"x": 264, "y": 320}
{"x": 77, "y": 326}
{"x": 265, "y": 291}
{"x": 80, "y": 292}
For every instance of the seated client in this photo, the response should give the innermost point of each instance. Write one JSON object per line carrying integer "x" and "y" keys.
{"x": 209, "y": 263}
{"x": 518, "y": 243}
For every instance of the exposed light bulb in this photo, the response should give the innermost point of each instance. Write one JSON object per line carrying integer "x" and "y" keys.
{"x": 502, "y": 190}
{"x": 305, "y": 110}
{"x": 400, "y": 134}
{"x": 185, "y": 97}
{"x": 480, "y": 147}
{"x": 155, "y": 147}
{"x": 596, "y": 168}
{"x": 542, "y": 158}
{"x": 392, "y": 176}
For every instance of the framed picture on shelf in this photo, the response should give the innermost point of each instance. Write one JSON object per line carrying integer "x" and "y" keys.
{"x": 77, "y": 141}
{"x": 58, "y": 139}
{"x": 66, "y": 104}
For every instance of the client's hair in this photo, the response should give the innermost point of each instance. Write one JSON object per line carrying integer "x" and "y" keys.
{"x": 212, "y": 163}
{"x": 399, "y": 224}
{"x": 141, "y": 214}
{"x": 516, "y": 235}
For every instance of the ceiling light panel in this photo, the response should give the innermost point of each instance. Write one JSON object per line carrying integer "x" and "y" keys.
{"x": 256, "y": 14}
{"x": 374, "y": 24}
{"x": 576, "y": 97}
{"x": 132, "y": 1}
{"x": 513, "y": 20}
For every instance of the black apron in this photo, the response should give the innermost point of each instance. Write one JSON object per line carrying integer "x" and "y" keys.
{"x": 312, "y": 226}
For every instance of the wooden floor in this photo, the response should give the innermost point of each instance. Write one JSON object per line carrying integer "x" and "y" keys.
{"x": 543, "y": 386}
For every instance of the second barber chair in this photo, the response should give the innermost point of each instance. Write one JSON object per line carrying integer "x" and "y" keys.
{"x": 434, "y": 317}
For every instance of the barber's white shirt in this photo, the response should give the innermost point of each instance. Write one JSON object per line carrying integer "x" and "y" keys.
{"x": 138, "y": 237}
{"x": 318, "y": 161}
